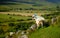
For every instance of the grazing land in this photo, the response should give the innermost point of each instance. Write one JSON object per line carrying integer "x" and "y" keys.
{"x": 13, "y": 21}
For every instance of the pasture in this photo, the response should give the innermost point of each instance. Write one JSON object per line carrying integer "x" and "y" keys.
{"x": 12, "y": 17}
{"x": 16, "y": 19}
{"x": 50, "y": 32}
{"x": 11, "y": 22}
{"x": 53, "y": 31}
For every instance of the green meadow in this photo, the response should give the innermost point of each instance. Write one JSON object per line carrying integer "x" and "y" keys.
{"x": 12, "y": 23}
{"x": 17, "y": 15}
{"x": 13, "y": 19}
{"x": 49, "y": 32}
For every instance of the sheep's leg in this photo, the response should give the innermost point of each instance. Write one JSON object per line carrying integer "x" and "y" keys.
{"x": 41, "y": 24}
{"x": 37, "y": 22}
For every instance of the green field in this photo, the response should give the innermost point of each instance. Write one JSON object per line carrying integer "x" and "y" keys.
{"x": 13, "y": 22}
{"x": 49, "y": 32}
{"x": 16, "y": 15}
{"x": 12, "y": 18}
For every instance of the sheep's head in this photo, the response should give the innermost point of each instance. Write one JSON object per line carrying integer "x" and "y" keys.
{"x": 33, "y": 16}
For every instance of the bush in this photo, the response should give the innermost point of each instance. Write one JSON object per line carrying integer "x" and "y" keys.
{"x": 1, "y": 31}
{"x": 10, "y": 17}
{"x": 29, "y": 19}
{"x": 11, "y": 24}
{"x": 12, "y": 27}
{"x": 8, "y": 14}
{"x": 23, "y": 25}
{"x": 20, "y": 20}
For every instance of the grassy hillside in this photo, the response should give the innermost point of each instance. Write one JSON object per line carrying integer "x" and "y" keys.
{"x": 27, "y": 5}
{"x": 53, "y": 31}
{"x": 10, "y": 6}
{"x": 12, "y": 18}
{"x": 50, "y": 32}
{"x": 12, "y": 22}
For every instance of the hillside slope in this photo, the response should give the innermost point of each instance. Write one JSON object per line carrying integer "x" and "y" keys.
{"x": 30, "y": 3}
{"x": 50, "y": 32}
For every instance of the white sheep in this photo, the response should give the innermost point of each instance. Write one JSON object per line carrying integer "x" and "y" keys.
{"x": 33, "y": 27}
{"x": 53, "y": 20}
{"x": 39, "y": 20}
{"x": 23, "y": 35}
{"x": 11, "y": 33}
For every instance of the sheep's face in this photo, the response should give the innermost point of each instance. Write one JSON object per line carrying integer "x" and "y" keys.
{"x": 33, "y": 17}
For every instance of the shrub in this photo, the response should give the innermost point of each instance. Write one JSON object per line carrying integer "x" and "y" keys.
{"x": 12, "y": 27}
{"x": 10, "y": 17}
{"x": 20, "y": 20}
{"x": 29, "y": 19}
{"x": 1, "y": 31}
{"x": 23, "y": 25}
{"x": 8, "y": 14}
{"x": 11, "y": 24}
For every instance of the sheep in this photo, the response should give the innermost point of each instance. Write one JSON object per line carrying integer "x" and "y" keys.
{"x": 17, "y": 32}
{"x": 53, "y": 20}
{"x": 11, "y": 33}
{"x": 33, "y": 27}
{"x": 39, "y": 20}
{"x": 23, "y": 35}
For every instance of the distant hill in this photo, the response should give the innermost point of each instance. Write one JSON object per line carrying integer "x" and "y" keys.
{"x": 53, "y": 1}
{"x": 37, "y": 4}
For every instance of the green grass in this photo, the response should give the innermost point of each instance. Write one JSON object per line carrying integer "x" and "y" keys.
{"x": 6, "y": 16}
{"x": 11, "y": 22}
{"x": 46, "y": 32}
{"x": 12, "y": 18}
{"x": 49, "y": 32}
